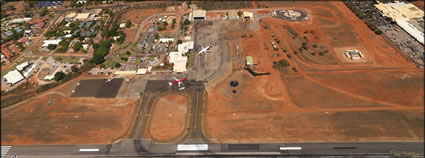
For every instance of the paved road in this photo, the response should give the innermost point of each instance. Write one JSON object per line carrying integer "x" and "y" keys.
{"x": 142, "y": 147}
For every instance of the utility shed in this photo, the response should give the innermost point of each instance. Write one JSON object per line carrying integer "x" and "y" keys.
{"x": 233, "y": 14}
{"x": 13, "y": 77}
{"x": 199, "y": 15}
{"x": 249, "y": 61}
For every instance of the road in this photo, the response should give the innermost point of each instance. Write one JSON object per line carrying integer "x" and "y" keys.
{"x": 127, "y": 147}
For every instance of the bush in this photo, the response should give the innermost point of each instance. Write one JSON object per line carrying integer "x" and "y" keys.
{"x": 179, "y": 42}
{"x": 51, "y": 47}
{"x": 251, "y": 35}
{"x": 59, "y": 76}
{"x": 128, "y": 52}
{"x": 281, "y": 65}
{"x": 117, "y": 65}
{"x": 77, "y": 46}
{"x": 289, "y": 56}
{"x": 124, "y": 58}
{"x": 313, "y": 54}
{"x": 314, "y": 46}
{"x": 156, "y": 36}
{"x": 74, "y": 68}
{"x": 243, "y": 36}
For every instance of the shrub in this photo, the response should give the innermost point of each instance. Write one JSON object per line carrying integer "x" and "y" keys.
{"x": 314, "y": 46}
{"x": 59, "y": 76}
{"x": 289, "y": 56}
{"x": 51, "y": 47}
{"x": 117, "y": 65}
{"x": 281, "y": 65}
{"x": 128, "y": 52}
{"x": 243, "y": 36}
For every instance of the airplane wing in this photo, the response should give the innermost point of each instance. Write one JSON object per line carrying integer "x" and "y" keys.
{"x": 179, "y": 83}
{"x": 176, "y": 79}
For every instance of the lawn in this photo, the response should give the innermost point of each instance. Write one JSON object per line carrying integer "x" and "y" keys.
{"x": 72, "y": 60}
{"x": 109, "y": 64}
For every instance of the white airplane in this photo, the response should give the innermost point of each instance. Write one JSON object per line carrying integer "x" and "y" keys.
{"x": 178, "y": 81}
{"x": 205, "y": 49}
{"x": 127, "y": 80}
{"x": 109, "y": 79}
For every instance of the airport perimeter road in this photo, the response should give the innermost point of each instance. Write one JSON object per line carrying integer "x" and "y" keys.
{"x": 142, "y": 147}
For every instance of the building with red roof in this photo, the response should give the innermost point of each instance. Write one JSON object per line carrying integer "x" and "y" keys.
{"x": 6, "y": 51}
{"x": 37, "y": 21}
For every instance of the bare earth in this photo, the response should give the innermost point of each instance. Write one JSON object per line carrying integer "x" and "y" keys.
{"x": 169, "y": 116}
{"x": 326, "y": 99}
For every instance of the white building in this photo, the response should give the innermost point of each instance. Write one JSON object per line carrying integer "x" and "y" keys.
{"x": 20, "y": 20}
{"x": 122, "y": 25}
{"x": 82, "y": 16}
{"x": 165, "y": 40}
{"x": 22, "y": 66}
{"x": 13, "y": 77}
{"x": 54, "y": 42}
{"x": 199, "y": 15}
{"x": 179, "y": 61}
{"x": 141, "y": 71}
{"x": 27, "y": 31}
{"x": 185, "y": 47}
{"x": 66, "y": 31}
{"x": 412, "y": 30}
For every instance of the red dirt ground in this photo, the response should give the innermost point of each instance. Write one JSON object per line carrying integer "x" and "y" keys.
{"x": 129, "y": 35}
{"x": 66, "y": 120}
{"x": 419, "y": 4}
{"x": 327, "y": 102}
{"x": 169, "y": 118}
{"x": 137, "y": 16}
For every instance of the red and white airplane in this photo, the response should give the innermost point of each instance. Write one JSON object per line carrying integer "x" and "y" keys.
{"x": 205, "y": 49}
{"x": 178, "y": 81}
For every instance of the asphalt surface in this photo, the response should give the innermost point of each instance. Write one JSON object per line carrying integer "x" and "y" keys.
{"x": 142, "y": 147}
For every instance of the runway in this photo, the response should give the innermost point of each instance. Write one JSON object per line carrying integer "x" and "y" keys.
{"x": 137, "y": 146}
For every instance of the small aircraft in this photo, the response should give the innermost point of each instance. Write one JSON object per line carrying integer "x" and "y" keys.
{"x": 109, "y": 79}
{"x": 205, "y": 49}
{"x": 127, "y": 80}
{"x": 178, "y": 82}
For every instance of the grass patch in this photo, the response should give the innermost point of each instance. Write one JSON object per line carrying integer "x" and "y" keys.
{"x": 72, "y": 60}
{"x": 109, "y": 64}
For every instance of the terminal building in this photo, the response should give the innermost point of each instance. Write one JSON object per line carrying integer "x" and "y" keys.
{"x": 406, "y": 15}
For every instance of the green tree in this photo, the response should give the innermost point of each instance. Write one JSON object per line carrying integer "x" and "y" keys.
{"x": 74, "y": 68}
{"x": 59, "y": 76}
{"x": 128, "y": 52}
{"x": 95, "y": 45}
{"x": 179, "y": 42}
{"x": 186, "y": 22}
{"x": 98, "y": 59}
{"x": 77, "y": 46}
{"x": 156, "y": 36}
{"x": 51, "y": 46}
{"x": 128, "y": 24}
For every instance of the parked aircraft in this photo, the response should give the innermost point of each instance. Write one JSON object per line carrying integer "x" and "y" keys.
{"x": 178, "y": 82}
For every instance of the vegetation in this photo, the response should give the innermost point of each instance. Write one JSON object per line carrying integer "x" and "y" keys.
{"x": 59, "y": 76}
{"x": 281, "y": 65}
{"x": 77, "y": 46}
{"x": 51, "y": 47}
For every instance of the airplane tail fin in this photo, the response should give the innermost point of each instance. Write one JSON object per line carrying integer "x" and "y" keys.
{"x": 170, "y": 84}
